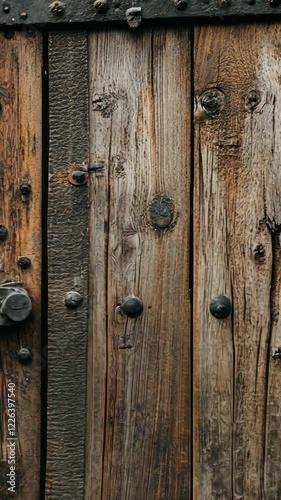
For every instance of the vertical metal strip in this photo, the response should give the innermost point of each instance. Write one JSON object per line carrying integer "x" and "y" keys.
{"x": 67, "y": 265}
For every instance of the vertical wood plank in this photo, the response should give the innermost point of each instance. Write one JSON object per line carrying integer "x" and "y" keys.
{"x": 68, "y": 266}
{"x": 237, "y": 253}
{"x": 139, "y": 395}
{"x": 20, "y": 159}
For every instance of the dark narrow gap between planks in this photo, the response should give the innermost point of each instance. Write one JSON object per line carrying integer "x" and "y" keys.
{"x": 44, "y": 294}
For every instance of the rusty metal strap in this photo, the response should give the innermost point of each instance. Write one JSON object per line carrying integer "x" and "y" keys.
{"x": 45, "y": 12}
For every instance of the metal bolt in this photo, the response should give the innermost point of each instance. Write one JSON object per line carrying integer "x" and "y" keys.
{"x": 274, "y": 3}
{"x": 24, "y": 262}
{"x": 134, "y": 16}
{"x": 9, "y": 35}
{"x": 6, "y": 8}
{"x": 220, "y": 307}
{"x": 57, "y": 8}
{"x": 180, "y": 4}
{"x": 161, "y": 211}
{"x": 132, "y": 307}
{"x": 73, "y": 300}
{"x": 79, "y": 176}
{"x": 23, "y": 16}
{"x": 25, "y": 188}
{"x": 101, "y": 5}
{"x": 24, "y": 355}
{"x": 3, "y": 233}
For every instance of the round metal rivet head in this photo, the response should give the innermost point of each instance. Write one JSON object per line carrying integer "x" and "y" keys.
{"x": 25, "y": 188}
{"x": 132, "y": 307}
{"x": 24, "y": 263}
{"x": 220, "y": 307}
{"x": 79, "y": 176}
{"x": 101, "y": 5}
{"x": 6, "y": 8}
{"x": 180, "y": 4}
{"x": 57, "y": 8}
{"x": 73, "y": 300}
{"x": 161, "y": 211}
{"x": 17, "y": 306}
{"x": 24, "y": 355}
{"x": 23, "y": 16}
{"x": 3, "y": 233}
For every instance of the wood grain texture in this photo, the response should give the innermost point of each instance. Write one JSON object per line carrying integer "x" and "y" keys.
{"x": 68, "y": 255}
{"x": 237, "y": 414}
{"x": 20, "y": 159}
{"x": 139, "y": 397}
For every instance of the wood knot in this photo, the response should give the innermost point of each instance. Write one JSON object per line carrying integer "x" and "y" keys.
{"x": 212, "y": 101}
{"x": 259, "y": 252}
{"x": 252, "y": 100}
{"x": 161, "y": 212}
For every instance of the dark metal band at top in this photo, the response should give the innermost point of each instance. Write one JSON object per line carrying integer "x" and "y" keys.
{"x": 45, "y": 12}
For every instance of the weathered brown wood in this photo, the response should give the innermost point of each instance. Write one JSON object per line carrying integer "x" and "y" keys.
{"x": 68, "y": 255}
{"x": 237, "y": 437}
{"x": 139, "y": 368}
{"x": 20, "y": 159}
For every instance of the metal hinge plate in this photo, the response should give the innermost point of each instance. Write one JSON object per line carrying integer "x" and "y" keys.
{"x": 46, "y": 12}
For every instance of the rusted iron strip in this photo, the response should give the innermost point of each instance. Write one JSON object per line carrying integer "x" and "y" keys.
{"x": 44, "y": 12}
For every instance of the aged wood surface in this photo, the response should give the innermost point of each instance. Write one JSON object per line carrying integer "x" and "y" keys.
{"x": 68, "y": 255}
{"x": 139, "y": 368}
{"x": 237, "y": 412}
{"x": 105, "y": 12}
{"x": 20, "y": 160}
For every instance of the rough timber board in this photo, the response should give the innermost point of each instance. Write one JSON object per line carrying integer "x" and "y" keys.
{"x": 138, "y": 407}
{"x": 20, "y": 158}
{"x": 77, "y": 11}
{"x": 237, "y": 437}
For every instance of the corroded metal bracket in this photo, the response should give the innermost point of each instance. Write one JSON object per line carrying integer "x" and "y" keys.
{"x": 45, "y": 12}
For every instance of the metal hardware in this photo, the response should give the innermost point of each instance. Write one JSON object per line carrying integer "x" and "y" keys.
{"x": 24, "y": 263}
{"x": 78, "y": 175}
{"x": 101, "y": 5}
{"x": 15, "y": 305}
{"x": 180, "y": 4}
{"x": 40, "y": 12}
{"x": 132, "y": 307}
{"x": 24, "y": 355}
{"x": 73, "y": 300}
{"x": 3, "y": 233}
{"x": 6, "y": 8}
{"x": 134, "y": 17}
{"x": 57, "y": 8}
{"x": 25, "y": 188}
{"x": 220, "y": 307}
{"x": 161, "y": 211}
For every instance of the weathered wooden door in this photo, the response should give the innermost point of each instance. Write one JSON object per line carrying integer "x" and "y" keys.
{"x": 140, "y": 184}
